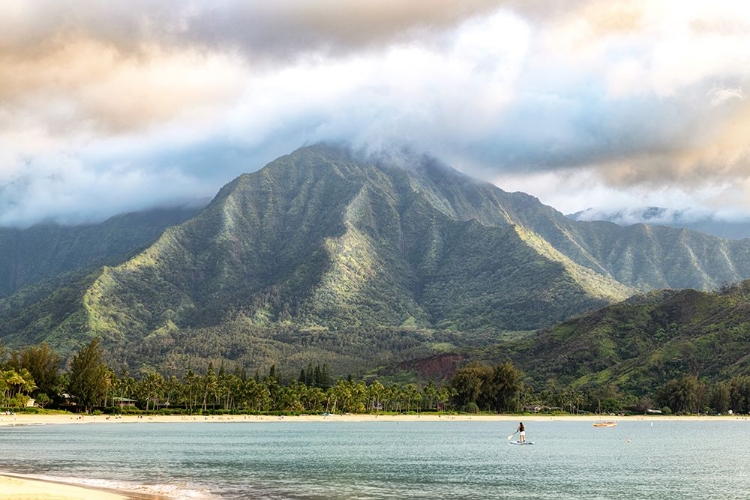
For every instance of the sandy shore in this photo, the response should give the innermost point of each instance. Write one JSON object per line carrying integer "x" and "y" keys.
{"x": 14, "y": 487}
{"x": 34, "y": 419}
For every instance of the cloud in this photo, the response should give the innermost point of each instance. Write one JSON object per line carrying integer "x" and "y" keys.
{"x": 86, "y": 84}
{"x": 283, "y": 28}
{"x": 65, "y": 191}
{"x": 652, "y": 103}
{"x": 724, "y": 95}
{"x": 639, "y": 98}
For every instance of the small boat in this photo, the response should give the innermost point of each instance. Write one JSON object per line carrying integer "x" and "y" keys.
{"x": 603, "y": 423}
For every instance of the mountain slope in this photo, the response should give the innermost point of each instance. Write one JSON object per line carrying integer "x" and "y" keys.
{"x": 641, "y": 343}
{"x": 318, "y": 239}
{"x": 654, "y": 257}
{"x": 639, "y": 256}
{"x": 324, "y": 255}
{"x": 44, "y": 251}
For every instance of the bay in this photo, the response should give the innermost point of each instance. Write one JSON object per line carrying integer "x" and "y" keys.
{"x": 638, "y": 459}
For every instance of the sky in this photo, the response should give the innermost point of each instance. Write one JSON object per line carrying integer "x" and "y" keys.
{"x": 109, "y": 107}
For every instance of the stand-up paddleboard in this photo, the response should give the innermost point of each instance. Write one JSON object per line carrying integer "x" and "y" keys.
{"x": 521, "y": 442}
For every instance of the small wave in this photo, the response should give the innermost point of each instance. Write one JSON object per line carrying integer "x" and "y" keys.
{"x": 163, "y": 490}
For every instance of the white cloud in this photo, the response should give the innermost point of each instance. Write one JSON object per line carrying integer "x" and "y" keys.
{"x": 580, "y": 102}
{"x": 722, "y": 96}
{"x": 64, "y": 190}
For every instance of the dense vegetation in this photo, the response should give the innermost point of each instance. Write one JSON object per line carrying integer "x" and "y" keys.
{"x": 638, "y": 345}
{"x": 45, "y": 251}
{"x": 89, "y": 384}
{"x": 371, "y": 267}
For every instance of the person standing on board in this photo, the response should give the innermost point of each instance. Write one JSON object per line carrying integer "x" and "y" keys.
{"x": 522, "y": 432}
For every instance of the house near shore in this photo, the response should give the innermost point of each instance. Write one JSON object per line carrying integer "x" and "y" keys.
{"x": 123, "y": 402}
{"x": 539, "y": 409}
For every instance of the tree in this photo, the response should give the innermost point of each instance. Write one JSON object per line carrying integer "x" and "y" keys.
{"x": 42, "y": 400}
{"x": 683, "y": 395}
{"x": 444, "y": 395}
{"x": 42, "y": 362}
{"x": 430, "y": 394}
{"x": 192, "y": 383}
{"x": 412, "y": 396}
{"x": 172, "y": 388}
{"x": 88, "y": 375}
{"x": 314, "y": 398}
{"x": 150, "y": 389}
{"x": 739, "y": 393}
{"x": 469, "y": 383}
{"x": 16, "y": 386}
{"x": 375, "y": 393}
{"x": 258, "y": 395}
{"x": 210, "y": 385}
{"x": 506, "y": 387}
{"x": 721, "y": 398}
{"x": 342, "y": 395}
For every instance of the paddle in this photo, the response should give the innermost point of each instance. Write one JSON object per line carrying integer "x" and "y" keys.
{"x": 511, "y": 436}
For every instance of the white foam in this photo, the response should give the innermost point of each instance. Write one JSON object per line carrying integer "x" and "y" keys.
{"x": 164, "y": 490}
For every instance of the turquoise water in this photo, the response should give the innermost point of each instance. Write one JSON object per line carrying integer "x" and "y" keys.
{"x": 390, "y": 460}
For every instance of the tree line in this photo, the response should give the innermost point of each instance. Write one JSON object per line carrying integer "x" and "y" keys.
{"x": 89, "y": 384}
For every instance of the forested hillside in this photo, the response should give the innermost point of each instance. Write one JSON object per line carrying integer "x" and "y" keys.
{"x": 324, "y": 256}
{"x": 640, "y": 344}
{"x": 44, "y": 251}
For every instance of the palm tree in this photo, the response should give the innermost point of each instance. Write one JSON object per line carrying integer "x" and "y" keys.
{"x": 151, "y": 388}
{"x": 375, "y": 391}
{"x": 17, "y": 385}
{"x": 430, "y": 392}
{"x": 412, "y": 396}
{"x": 210, "y": 385}
{"x": 192, "y": 383}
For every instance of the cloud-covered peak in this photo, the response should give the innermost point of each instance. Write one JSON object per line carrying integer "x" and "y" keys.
{"x": 108, "y": 106}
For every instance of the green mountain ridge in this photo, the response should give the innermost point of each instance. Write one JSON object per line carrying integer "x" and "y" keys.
{"x": 326, "y": 256}
{"x": 641, "y": 343}
{"x": 43, "y": 251}
{"x": 320, "y": 240}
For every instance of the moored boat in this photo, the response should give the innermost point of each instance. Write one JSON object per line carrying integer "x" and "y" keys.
{"x": 605, "y": 424}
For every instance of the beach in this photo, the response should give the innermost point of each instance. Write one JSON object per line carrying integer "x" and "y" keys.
{"x": 13, "y": 487}
{"x": 73, "y": 419}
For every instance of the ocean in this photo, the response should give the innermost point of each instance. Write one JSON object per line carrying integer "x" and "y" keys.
{"x": 645, "y": 459}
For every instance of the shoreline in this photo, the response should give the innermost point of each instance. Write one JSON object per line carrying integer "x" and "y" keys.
{"x": 75, "y": 419}
{"x": 19, "y": 486}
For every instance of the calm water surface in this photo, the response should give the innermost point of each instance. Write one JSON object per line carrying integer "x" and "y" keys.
{"x": 389, "y": 460}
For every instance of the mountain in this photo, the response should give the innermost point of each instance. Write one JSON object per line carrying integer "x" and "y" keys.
{"x": 641, "y": 343}
{"x": 327, "y": 256}
{"x": 660, "y": 216}
{"x": 43, "y": 251}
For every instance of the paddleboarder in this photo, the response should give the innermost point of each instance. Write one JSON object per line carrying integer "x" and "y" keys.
{"x": 522, "y": 432}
